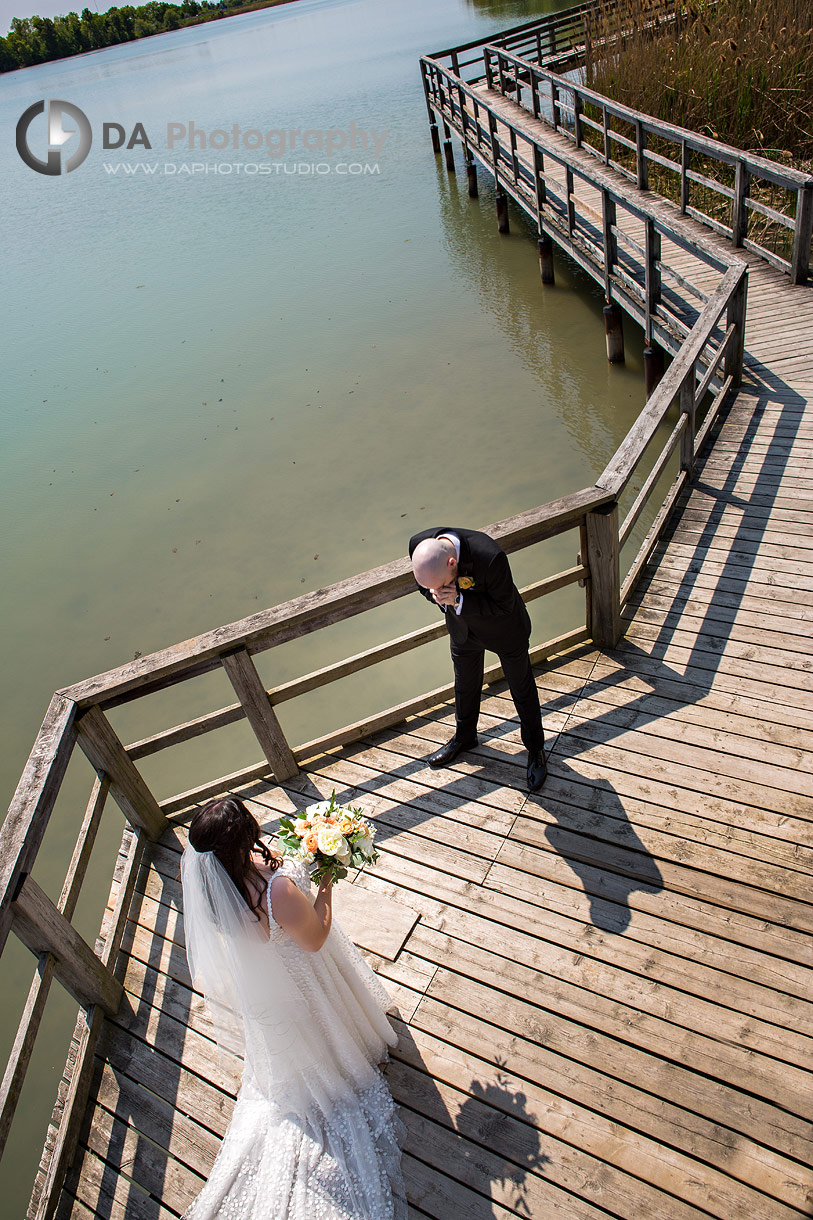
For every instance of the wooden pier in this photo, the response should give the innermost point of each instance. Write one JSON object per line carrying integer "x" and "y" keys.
{"x": 603, "y": 990}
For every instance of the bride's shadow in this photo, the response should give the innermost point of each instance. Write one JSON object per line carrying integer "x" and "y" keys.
{"x": 471, "y": 1142}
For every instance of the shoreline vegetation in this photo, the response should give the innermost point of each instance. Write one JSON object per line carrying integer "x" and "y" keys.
{"x": 739, "y": 71}
{"x": 38, "y": 40}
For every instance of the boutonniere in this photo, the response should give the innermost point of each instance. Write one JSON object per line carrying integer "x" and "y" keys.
{"x": 465, "y": 582}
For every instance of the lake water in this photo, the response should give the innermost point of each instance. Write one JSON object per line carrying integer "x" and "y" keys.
{"x": 223, "y": 388}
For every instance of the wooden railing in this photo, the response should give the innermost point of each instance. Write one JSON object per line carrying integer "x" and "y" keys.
{"x": 622, "y": 138}
{"x": 552, "y": 39}
{"x": 628, "y": 259}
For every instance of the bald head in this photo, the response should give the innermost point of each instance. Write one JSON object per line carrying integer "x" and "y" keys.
{"x": 434, "y": 562}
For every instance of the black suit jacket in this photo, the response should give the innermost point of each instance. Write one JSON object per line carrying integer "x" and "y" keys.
{"x": 493, "y": 613}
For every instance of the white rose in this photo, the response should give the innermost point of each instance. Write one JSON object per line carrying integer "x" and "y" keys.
{"x": 332, "y": 842}
{"x": 365, "y": 844}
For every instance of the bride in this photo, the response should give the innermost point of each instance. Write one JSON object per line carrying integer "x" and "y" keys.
{"x": 314, "y": 1134}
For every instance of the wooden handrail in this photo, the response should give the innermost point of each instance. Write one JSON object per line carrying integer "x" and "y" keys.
{"x": 746, "y": 165}
{"x": 563, "y": 17}
{"x": 622, "y": 465}
{"x": 313, "y": 611}
{"x": 727, "y": 153}
{"x": 493, "y": 138}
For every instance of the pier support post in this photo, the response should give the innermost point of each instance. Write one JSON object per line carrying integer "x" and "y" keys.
{"x": 502, "y": 211}
{"x": 614, "y": 333}
{"x": 653, "y": 366}
{"x": 435, "y": 134}
{"x": 471, "y": 175}
{"x": 448, "y": 151}
{"x": 545, "y": 244}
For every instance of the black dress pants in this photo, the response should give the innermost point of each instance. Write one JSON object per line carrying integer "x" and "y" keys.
{"x": 468, "y": 661}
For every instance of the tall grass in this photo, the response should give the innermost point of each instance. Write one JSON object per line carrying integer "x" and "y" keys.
{"x": 740, "y": 71}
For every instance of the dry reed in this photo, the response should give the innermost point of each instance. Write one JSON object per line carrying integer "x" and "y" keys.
{"x": 740, "y": 71}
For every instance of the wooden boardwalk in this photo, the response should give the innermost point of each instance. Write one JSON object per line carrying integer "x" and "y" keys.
{"x": 604, "y": 1005}
{"x": 602, "y": 991}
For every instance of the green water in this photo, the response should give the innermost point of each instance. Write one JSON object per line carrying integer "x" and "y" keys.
{"x": 221, "y": 391}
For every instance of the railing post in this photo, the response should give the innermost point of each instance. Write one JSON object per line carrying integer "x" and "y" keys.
{"x": 488, "y": 67}
{"x": 495, "y": 148}
{"x": 605, "y": 585}
{"x": 577, "y": 120}
{"x": 739, "y": 215}
{"x": 106, "y": 753}
{"x": 261, "y": 716}
{"x": 514, "y": 157}
{"x": 685, "y": 158}
{"x": 433, "y": 127}
{"x": 571, "y": 201}
{"x": 447, "y": 147}
{"x": 641, "y": 164}
{"x": 502, "y": 211}
{"x": 606, "y": 127}
{"x": 608, "y": 223}
{"x": 652, "y": 275}
{"x": 688, "y": 408}
{"x": 554, "y": 98}
{"x": 653, "y": 354}
{"x": 735, "y": 314}
{"x": 800, "y": 258}
{"x": 471, "y": 172}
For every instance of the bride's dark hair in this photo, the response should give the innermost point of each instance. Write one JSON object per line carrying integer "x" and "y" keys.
{"x": 227, "y": 828}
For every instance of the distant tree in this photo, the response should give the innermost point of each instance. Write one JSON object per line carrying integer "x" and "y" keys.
{"x": 22, "y": 43}
{"x": 35, "y": 40}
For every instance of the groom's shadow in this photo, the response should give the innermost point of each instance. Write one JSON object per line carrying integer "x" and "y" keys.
{"x": 610, "y": 866}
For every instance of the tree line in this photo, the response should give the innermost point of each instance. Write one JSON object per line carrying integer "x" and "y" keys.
{"x": 35, "y": 40}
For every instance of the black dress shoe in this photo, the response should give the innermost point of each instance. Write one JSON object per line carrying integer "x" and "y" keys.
{"x": 448, "y": 753}
{"x": 537, "y": 769}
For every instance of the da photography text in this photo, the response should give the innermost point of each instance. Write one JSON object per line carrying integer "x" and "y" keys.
{"x": 55, "y": 137}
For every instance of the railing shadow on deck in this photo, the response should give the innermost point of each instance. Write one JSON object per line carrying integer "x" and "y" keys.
{"x": 137, "y": 1078}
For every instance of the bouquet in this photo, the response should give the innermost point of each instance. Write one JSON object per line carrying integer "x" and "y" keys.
{"x": 332, "y": 837}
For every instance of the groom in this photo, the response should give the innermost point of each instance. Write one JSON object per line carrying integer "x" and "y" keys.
{"x": 466, "y": 574}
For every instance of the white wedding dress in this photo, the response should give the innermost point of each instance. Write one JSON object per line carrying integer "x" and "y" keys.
{"x": 323, "y": 1143}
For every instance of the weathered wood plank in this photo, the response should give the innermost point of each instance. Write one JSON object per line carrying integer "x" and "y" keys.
{"x": 27, "y": 817}
{"x": 106, "y": 753}
{"x": 261, "y": 716}
{"x": 42, "y": 927}
{"x": 455, "y": 1045}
